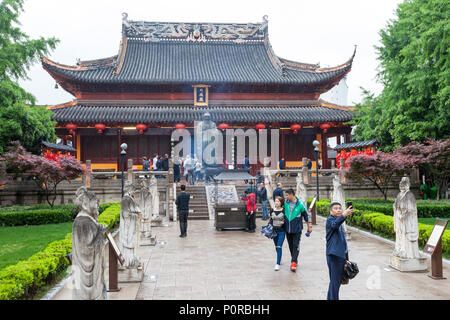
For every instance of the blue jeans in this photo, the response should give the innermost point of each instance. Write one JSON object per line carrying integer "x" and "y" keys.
{"x": 278, "y": 241}
{"x": 264, "y": 209}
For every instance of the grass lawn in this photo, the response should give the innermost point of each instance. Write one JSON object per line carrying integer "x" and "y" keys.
{"x": 20, "y": 243}
{"x": 431, "y": 222}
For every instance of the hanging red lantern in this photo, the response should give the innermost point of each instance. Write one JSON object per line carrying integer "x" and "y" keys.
{"x": 260, "y": 126}
{"x": 71, "y": 127}
{"x": 141, "y": 127}
{"x": 180, "y": 126}
{"x": 295, "y": 127}
{"x": 223, "y": 126}
{"x": 325, "y": 127}
{"x": 100, "y": 127}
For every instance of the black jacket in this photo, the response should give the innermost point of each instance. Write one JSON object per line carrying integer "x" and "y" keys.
{"x": 277, "y": 193}
{"x": 182, "y": 201}
{"x": 165, "y": 164}
{"x": 336, "y": 241}
{"x": 262, "y": 194}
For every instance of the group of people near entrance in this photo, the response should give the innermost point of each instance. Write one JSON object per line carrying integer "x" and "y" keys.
{"x": 157, "y": 163}
{"x": 287, "y": 220}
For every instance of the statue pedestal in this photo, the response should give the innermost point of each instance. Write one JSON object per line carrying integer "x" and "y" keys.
{"x": 408, "y": 265}
{"x": 131, "y": 274}
{"x": 148, "y": 241}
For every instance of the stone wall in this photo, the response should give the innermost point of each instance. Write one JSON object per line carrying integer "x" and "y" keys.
{"x": 106, "y": 190}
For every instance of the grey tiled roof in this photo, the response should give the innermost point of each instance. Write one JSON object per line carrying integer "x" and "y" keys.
{"x": 355, "y": 145}
{"x": 188, "y": 113}
{"x": 58, "y": 146}
{"x": 180, "y": 62}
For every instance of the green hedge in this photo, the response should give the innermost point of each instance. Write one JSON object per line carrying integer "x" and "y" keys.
{"x": 382, "y": 223}
{"x": 40, "y": 214}
{"x": 23, "y": 279}
{"x": 35, "y": 217}
{"x": 39, "y": 206}
{"x": 111, "y": 216}
{"x": 26, "y": 277}
{"x": 425, "y": 209}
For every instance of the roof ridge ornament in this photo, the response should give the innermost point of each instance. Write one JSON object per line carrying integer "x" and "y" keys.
{"x": 194, "y": 32}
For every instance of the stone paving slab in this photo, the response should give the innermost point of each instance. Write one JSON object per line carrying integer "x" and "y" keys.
{"x": 224, "y": 265}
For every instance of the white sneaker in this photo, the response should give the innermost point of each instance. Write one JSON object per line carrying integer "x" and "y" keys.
{"x": 277, "y": 267}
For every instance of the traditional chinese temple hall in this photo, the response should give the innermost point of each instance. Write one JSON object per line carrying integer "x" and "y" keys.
{"x": 166, "y": 75}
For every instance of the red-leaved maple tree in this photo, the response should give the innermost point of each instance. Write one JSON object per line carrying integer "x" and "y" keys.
{"x": 379, "y": 168}
{"x": 47, "y": 174}
{"x": 433, "y": 159}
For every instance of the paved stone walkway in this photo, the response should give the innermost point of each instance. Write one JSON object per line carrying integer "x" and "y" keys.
{"x": 210, "y": 264}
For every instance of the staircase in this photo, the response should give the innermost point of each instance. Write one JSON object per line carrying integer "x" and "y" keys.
{"x": 198, "y": 207}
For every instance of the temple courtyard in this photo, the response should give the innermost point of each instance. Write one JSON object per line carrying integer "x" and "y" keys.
{"x": 233, "y": 264}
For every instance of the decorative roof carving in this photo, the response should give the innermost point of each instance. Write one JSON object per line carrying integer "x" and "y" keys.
{"x": 194, "y": 32}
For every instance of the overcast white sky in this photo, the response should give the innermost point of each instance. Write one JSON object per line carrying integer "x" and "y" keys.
{"x": 310, "y": 31}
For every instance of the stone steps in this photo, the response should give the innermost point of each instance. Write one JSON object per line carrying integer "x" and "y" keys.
{"x": 198, "y": 205}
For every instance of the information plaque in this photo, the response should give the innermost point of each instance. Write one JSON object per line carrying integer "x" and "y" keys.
{"x": 435, "y": 236}
{"x": 115, "y": 248}
{"x": 434, "y": 247}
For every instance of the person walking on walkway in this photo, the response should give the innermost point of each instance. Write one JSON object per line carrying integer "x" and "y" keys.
{"x": 262, "y": 195}
{"x": 278, "y": 192}
{"x": 337, "y": 249}
{"x": 294, "y": 210}
{"x": 182, "y": 204}
{"x": 277, "y": 221}
{"x": 251, "y": 211}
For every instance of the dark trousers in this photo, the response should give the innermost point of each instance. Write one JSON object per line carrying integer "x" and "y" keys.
{"x": 251, "y": 224}
{"x": 335, "y": 269}
{"x": 176, "y": 173}
{"x": 293, "y": 240}
{"x": 183, "y": 216}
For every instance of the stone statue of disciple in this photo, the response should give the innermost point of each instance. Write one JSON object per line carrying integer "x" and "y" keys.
{"x": 88, "y": 266}
{"x": 405, "y": 223}
{"x": 130, "y": 215}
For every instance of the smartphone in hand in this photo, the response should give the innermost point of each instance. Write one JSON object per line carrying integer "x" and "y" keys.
{"x": 349, "y": 204}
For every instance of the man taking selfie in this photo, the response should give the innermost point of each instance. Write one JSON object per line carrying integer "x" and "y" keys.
{"x": 337, "y": 250}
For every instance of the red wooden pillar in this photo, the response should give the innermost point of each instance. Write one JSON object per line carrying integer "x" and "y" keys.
{"x": 119, "y": 142}
{"x": 282, "y": 152}
{"x": 324, "y": 152}
{"x": 338, "y": 139}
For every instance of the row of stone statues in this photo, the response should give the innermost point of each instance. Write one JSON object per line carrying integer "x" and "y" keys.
{"x": 139, "y": 206}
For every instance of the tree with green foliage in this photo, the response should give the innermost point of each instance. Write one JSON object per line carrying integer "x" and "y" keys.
{"x": 415, "y": 59}
{"x": 20, "y": 118}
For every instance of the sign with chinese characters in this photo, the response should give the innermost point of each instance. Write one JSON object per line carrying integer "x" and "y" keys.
{"x": 435, "y": 235}
{"x": 201, "y": 95}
